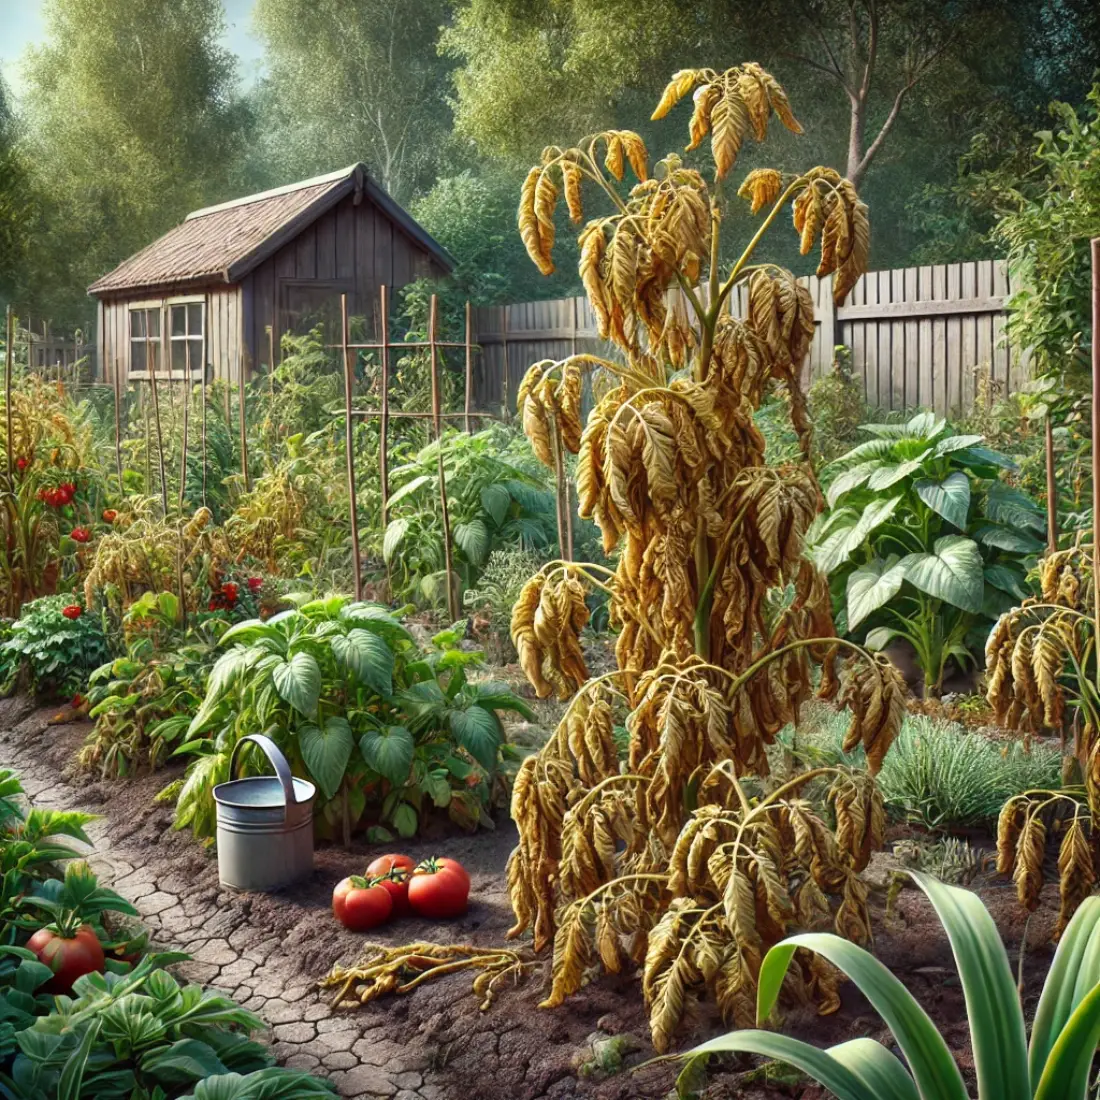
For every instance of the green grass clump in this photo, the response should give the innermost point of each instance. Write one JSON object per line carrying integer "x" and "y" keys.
{"x": 937, "y": 774}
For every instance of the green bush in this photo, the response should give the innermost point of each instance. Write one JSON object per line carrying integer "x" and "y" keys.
{"x": 384, "y": 728}
{"x": 923, "y": 541}
{"x": 938, "y": 775}
{"x": 61, "y": 651}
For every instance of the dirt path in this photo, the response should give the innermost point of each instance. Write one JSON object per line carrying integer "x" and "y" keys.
{"x": 269, "y": 950}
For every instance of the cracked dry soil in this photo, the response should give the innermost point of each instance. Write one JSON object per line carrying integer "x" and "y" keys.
{"x": 268, "y": 951}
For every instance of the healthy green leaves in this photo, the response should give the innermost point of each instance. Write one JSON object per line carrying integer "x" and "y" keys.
{"x": 326, "y": 750}
{"x": 952, "y": 572}
{"x": 873, "y": 586}
{"x": 298, "y": 681}
{"x": 1063, "y": 1040}
{"x": 390, "y": 752}
{"x": 949, "y": 498}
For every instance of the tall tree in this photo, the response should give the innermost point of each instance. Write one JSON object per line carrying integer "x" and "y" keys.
{"x": 16, "y": 205}
{"x": 133, "y": 119}
{"x": 356, "y": 80}
{"x": 521, "y": 61}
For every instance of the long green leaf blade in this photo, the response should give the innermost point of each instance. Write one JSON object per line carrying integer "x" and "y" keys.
{"x": 997, "y": 1032}
{"x": 877, "y": 1068}
{"x": 837, "y": 1077}
{"x": 934, "y": 1070}
{"x": 1066, "y": 1076}
{"x": 1059, "y": 998}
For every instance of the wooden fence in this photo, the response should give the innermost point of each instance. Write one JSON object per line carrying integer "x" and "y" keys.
{"x": 919, "y": 336}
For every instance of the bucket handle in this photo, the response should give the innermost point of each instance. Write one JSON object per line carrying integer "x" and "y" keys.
{"x": 275, "y": 757}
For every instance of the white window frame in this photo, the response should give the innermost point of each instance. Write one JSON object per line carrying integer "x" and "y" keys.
{"x": 164, "y": 307}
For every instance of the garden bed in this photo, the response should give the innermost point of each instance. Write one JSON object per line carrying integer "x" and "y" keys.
{"x": 269, "y": 951}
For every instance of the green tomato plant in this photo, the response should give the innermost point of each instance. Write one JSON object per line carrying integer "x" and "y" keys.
{"x": 383, "y": 728}
{"x": 923, "y": 541}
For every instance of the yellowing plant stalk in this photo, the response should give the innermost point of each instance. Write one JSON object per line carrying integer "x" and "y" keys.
{"x": 677, "y": 860}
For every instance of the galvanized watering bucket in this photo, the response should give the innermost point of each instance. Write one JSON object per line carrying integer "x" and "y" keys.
{"x": 265, "y": 824}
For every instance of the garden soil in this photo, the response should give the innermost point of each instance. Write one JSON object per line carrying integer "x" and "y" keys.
{"x": 434, "y": 1043}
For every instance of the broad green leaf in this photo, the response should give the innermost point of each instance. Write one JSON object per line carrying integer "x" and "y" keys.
{"x": 926, "y": 424}
{"x": 222, "y": 677}
{"x": 390, "y": 752}
{"x": 851, "y": 479}
{"x": 480, "y": 733}
{"x": 880, "y": 637}
{"x": 496, "y": 500}
{"x": 1073, "y": 973}
{"x": 1009, "y": 506}
{"x": 838, "y": 1074}
{"x": 997, "y": 1033}
{"x": 983, "y": 456}
{"x": 369, "y": 658}
{"x": 72, "y": 1073}
{"x": 396, "y": 530}
{"x": 473, "y": 540}
{"x": 1012, "y": 540}
{"x": 404, "y": 820}
{"x": 249, "y": 630}
{"x": 894, "y": 472}
{"x": 183, "y": 1063}
{"x": 952, "y": 572}
{"x": 949, "y": 498}
{"x": 1066, "y": 1076}
{"x": 298, "y": 682}
{"x": 955, "y": 443}
{"x": 873, "y": 586}
{"x": 377, "y": 619}
{"x": 839, "y": 546}
{"x": 930, "y": 1062}
{"x": 409, "y": 488}
{"x": 1007, "y": 579}
{"x": 326, "y": 751}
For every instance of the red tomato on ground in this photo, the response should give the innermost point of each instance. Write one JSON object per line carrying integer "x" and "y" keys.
{"x": 396, "y": 884}
{"x": 358, "y": 904}
{"x": 384, "y": 864}
{"x": 454, "y": 865}
{"x": 69, "y": 959}
{"x": 438, "y": 890}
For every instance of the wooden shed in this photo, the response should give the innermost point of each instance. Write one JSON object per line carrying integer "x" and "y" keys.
{"x": 279, "y": 259}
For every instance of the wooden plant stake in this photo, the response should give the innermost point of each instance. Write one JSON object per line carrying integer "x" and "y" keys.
{"x": 202, "y": 387}
{"x": 384, "y": 429}
{"x": 1052, "y": 491}
{"x": 437, "y": 425}
{"x": 7, "y": 395}
{"x": 160, "y": 437}
{"x": 241, "y": 368}
{"x": 1095, "y": 253}
{"x": 469, "y": 367}
{"x": 117, "y": 388}
{"x": 349, "y": 447}
{"x": 184, "y": 425}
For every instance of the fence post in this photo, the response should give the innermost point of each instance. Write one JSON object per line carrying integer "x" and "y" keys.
{"x": 160, "y": 436}
{"x": 505, "y": 407}
{"x": 437, "y": 424}
{"x": 349, "y": 446}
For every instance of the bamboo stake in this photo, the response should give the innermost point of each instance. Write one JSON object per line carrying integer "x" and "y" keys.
{"x": 186, "y": 417}
{"x": 160, "y": 437}
{"x": 148, "y": 441}
{"x": 202, "y": 389}
{"x": 437, "y": 424}
{"x": 243, "y": 422}
{"x": 1052, "y": 492}
{"x": 349, "y": 447}
{"x": 7, "y": 394}
{"x": 504, "y": 373}
{"x": 384, "y": 427}
{"x": 117, "y": 387}
{"x": 469, "y": 367}
{"x": 1095, "y": 252}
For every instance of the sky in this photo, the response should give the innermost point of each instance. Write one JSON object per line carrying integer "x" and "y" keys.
{"x": 23, "y": 23}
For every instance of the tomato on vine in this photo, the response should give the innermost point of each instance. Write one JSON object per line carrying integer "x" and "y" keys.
{"x": 70, "y": 952}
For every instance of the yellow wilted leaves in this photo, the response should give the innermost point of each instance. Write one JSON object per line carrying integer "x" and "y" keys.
{"x": 829, "y": 206}
{"x": 648, "y": 847}
{"x": 547, "y": 620}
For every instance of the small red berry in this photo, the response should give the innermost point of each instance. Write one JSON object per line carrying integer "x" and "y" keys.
{"x": 80, "y": 534}
{"x": 73, "y": 611}
{"x": 255, "y": 584}
{"x": 109, "y": 515}
{"x": 229, "y": 591}
{"x": 22, "y": 463}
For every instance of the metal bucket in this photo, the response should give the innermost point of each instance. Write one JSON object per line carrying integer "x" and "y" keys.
{"x": 265, "y": 824}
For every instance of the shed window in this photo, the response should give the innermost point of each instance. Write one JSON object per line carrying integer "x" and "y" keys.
{"x": 185, "y": 326}
{"x": 144, "y": 339}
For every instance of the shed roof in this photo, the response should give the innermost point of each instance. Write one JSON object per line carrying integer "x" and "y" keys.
{"x": 225, "y": 242}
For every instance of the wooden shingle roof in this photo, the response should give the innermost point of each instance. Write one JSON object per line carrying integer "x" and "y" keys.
{"x": 223, "y": 243}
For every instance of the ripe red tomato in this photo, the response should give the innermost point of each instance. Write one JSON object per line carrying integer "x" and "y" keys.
{"x": 396, "y": 884}
{"x": 358, "y": 904}
{"x": 384, "y": 864}
{"x": 68, "y": 958}
{"x": 439, "y": 888}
